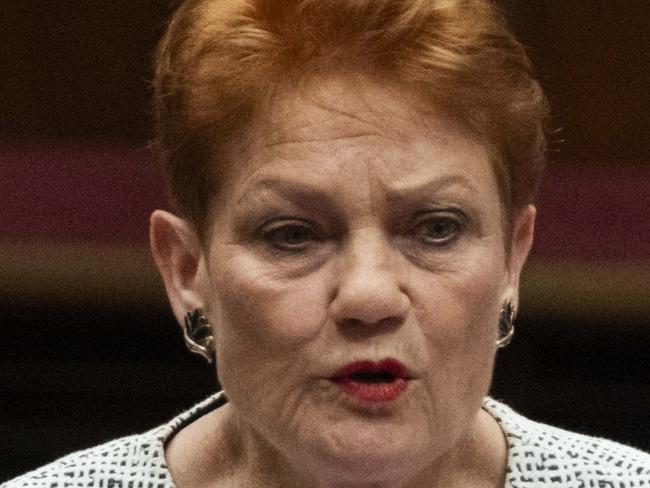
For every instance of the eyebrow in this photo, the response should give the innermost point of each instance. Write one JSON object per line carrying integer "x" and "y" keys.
{"x": 293, "y": 191}
{"x": 299, "y": 192}
{"x": 437, "y": 185}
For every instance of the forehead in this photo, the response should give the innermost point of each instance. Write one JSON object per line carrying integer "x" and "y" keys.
{"x": 353, "y": 129}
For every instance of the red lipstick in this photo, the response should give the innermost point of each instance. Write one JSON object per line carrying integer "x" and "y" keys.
{"x": 372, "y": 381}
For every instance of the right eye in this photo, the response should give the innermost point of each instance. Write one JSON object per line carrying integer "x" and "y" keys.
{"x": 439, "y": 231}
{"x": 289, "y": 236}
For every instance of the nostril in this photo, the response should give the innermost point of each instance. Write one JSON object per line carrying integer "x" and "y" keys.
{"x": 353, "y": 322}
{"x": 360, "y": 298}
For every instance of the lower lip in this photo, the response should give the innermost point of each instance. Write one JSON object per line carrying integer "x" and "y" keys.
{"x": 373, "y": 392}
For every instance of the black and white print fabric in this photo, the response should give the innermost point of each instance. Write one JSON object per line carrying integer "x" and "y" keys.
{"x": 542, "y": 456}
{"x": 539, "y": 456}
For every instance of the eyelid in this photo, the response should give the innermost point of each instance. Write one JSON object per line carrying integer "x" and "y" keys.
{"x": 450, "y": 215}
{"x": 281, "y": 221}
{"x": 277, "y": 224}
{"x": 424, "y": 215}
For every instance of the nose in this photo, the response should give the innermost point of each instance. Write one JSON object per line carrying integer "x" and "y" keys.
{"x": 368, "y": 288}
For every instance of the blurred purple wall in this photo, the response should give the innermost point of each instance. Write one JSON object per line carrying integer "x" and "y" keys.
{"x": 105, "y": 193}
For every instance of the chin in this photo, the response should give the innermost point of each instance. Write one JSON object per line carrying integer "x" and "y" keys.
{"x": 357, "y": 450}
{"x": 386, "y": 468}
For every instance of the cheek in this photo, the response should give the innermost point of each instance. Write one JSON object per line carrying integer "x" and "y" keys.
{"x": 260, "y": 314}
{"x": 463, "y": 299}
{"x": 459, "y": 315}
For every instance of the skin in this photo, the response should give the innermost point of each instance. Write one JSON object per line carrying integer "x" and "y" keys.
{"x": 351, "y": 226}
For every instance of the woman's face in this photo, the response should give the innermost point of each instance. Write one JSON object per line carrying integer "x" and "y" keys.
{"x": 358, "y": 233}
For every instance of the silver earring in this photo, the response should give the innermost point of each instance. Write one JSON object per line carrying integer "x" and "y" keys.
{"x": 197, "y": 334}
{"x": 506, "y": 324}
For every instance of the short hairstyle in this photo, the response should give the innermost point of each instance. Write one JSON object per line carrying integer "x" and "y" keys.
{"x": 221, "y": 60}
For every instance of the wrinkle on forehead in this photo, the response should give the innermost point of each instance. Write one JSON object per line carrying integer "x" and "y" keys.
{"x": 372, "y": 131}
{"x": 343, "y": 108}
{"x": 307, "y": 140}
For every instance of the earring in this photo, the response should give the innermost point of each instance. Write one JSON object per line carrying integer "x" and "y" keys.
{"x": 506, "y": 324}
{"x": 196, "y": 332}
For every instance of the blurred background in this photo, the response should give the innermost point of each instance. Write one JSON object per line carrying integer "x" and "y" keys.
{"x": 88, "y": 347}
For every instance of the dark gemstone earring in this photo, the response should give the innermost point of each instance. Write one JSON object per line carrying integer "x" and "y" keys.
{"x": 198, "y": 334}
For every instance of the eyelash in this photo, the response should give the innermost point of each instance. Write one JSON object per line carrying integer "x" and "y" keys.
{"x": 275, "y": 232}
{"x": 453, "y": 218}
{"x": 272, "y": 233}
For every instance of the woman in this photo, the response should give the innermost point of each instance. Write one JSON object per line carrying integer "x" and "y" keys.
{"x": 355, "y": 182}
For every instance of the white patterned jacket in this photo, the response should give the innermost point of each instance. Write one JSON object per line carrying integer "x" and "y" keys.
{"x": 539, "y": 456}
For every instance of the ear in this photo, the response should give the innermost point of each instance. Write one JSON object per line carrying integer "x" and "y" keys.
{"x": 523, "y": 229}
{"x": 178, "y": 253}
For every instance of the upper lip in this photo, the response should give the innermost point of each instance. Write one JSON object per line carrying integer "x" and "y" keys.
{"x": 390, "y": 366}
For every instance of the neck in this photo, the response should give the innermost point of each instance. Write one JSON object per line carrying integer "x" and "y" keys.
{"x": 234, "y": 454}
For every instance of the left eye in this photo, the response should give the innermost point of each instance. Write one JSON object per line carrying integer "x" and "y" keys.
{"x": 439, "y": 230}
{"x": 290, "y": 236}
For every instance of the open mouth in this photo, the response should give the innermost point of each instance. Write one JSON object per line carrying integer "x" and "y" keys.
{"x": 372, "y": 381}
{"x": 373, "y": 377}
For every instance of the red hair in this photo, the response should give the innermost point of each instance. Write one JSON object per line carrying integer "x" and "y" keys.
{"x": 221, "y": 60}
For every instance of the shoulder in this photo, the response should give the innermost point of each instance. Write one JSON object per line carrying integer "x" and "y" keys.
{"x": 128, "y": 461}
{"x": 137, "y": 460}
{"x": 540, "y": 455}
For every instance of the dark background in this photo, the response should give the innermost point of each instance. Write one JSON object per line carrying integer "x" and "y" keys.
{"x": 75, "y": 372}
{"x": 80, "y": 70}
